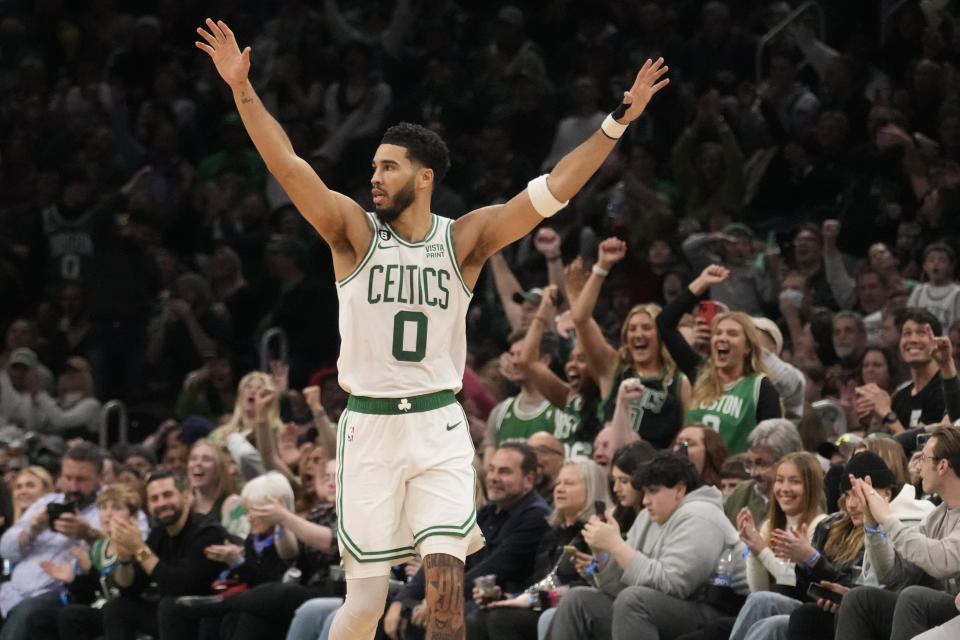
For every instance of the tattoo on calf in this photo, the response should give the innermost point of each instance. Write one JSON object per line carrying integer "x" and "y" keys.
{"x": 444, "y": 578}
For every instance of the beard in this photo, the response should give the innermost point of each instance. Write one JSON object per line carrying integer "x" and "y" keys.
{"x": 170, "y": 518}
{"x": 403, "y": 199}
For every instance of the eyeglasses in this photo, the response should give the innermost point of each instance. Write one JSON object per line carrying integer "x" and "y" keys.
{"x": 923, "y": 458}
{"x": 757, "y": 465}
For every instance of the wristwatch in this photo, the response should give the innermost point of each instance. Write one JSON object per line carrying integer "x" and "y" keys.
{"x": 142, "y": 554}
{"x": 890, "y": 418}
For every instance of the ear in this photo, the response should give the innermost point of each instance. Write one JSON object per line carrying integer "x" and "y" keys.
{"x": 425, "y": 177}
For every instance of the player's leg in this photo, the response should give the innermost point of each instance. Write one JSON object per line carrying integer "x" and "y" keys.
{"x": 358, "y": 617}
{"x": 444, "y": 582}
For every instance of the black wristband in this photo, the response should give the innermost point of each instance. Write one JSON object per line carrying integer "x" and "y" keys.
{"x": 619, "y": 111}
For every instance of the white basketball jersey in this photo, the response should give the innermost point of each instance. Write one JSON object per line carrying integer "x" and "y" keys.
{"x": 403, "y": 316}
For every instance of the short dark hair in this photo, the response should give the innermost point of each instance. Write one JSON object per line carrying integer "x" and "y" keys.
{"x": 947, "y": 445}
{"x": 920, "y": 316}
{"x": 666, "y": 469}
{"x": 423, "y": 146}
{"x": 528, "y": 463}
{"x": 86, "y": 452}
{"x": 629, "y": 458}
{"x": 942, "y": 247}
{"x": 181, "y": 482}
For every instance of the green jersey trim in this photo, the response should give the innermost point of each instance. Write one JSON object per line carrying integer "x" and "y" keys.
{"x": 367, "y": 256}
{"x": 453, "y": 259}
{"x": 433, "y": 230}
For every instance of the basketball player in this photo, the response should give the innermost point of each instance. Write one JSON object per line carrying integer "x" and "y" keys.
{"x": 404, "y": 278}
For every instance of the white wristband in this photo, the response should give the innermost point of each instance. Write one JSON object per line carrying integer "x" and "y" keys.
{"x": 600, "y": 271}
{"x": 611, "y": 128}
{"x": 543, "y": 200}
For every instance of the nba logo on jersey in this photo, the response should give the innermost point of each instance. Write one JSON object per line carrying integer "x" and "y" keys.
{"x": 351, "y": 434}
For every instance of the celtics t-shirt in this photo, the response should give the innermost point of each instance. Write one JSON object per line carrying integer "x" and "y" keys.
{"x": 656, "y": 414}
{"x": 733, "y": 415}
{"x": 568, "y": 429}
{"x": 513, "y": 421}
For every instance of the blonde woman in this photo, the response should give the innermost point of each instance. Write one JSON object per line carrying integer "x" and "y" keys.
{"x": 794, "y": 513}
{"x": 244, "y": 416}
{"x": 732, "y": 392}
{"x": 30, "y": 484}
{"x": 214, "y": 489}
{"x": 657, "y": 411}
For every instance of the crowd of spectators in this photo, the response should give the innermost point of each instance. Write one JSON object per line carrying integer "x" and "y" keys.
{"x": 723, "y": 376}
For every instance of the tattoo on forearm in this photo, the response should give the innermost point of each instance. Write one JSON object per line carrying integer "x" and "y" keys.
{"x": 246, "y": 100}
{"x": 444, "y": 578}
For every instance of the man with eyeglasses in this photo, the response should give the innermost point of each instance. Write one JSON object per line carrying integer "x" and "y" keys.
{"x": 550, "y": 458}
{"x": 905, "y": 555}
{"x": 768, "y": 442}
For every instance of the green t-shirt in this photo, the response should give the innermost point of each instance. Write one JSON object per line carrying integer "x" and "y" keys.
{"x": 733, "y": 415}
{"x": 514, "y": 428}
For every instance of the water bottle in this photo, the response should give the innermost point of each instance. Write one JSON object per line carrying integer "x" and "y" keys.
{"x": 724, "y": 575}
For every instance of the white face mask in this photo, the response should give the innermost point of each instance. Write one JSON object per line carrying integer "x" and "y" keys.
{"x": 70, "y": 398}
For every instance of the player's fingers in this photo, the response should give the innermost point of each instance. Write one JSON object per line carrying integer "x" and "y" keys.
{"x": 660, "y": 85}
{"x": 225, "y": 29}
{"x": 207, "y": 36}
{"x": 215, "y": 30}
{"x": 205, "y": 47}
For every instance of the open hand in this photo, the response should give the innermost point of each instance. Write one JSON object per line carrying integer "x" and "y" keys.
{"x": 232, "y": 64}
{"x": 792, "y": 544}
{"x": 227, "y": 553}
{"x": 747, "y": 529}
{"x": 60, "y": 571}
{"x": 649, "y": 81}
{"x": 574, "y": 278}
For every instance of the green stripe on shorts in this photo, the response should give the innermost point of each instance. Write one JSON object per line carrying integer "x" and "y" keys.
{"x": 401, "y": 406}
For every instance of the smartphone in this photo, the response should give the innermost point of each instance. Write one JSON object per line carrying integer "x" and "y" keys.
{"x": 600, "y": 509}
{"x": 684, "y": 449}
{"x": 57, "y": 509}
{"x": 707, "y": 309}
{"x": 820, "y": 592}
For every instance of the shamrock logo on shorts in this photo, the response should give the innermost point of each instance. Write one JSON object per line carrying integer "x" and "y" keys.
{"x": 404, "y": 405}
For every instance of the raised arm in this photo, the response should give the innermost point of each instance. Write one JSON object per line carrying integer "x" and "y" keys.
{"x": 688, "y": 360}
{"x": 338, "y": 219}
{"x": 601, "y": 357}
{"x": 479, "y": 234}
{"x": 507, "y": 285}
{"x": 539, "y": 374}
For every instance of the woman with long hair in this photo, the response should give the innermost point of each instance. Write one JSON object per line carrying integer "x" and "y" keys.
{"x": 833, "y": 554}
{"x": 625, "y": 464}
{"x": 577, "y": 423}
{"x": 732, "y": 392}
{"x": 244, "y": 417}
{"x": 214, "y": 488}
{"x": 657, "y": 412}
{"x": 794, "y": 510}
{"x": 705, "y": 449}
{"x": 579, "y": 487}
{"x": 30, "y": 484}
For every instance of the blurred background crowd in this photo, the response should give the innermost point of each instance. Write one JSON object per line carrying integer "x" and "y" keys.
{"x": 775, "y": 239}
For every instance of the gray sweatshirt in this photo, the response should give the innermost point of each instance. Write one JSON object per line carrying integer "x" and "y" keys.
{"x": 909, "y": 552}
{"x": 679, "y": 557}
